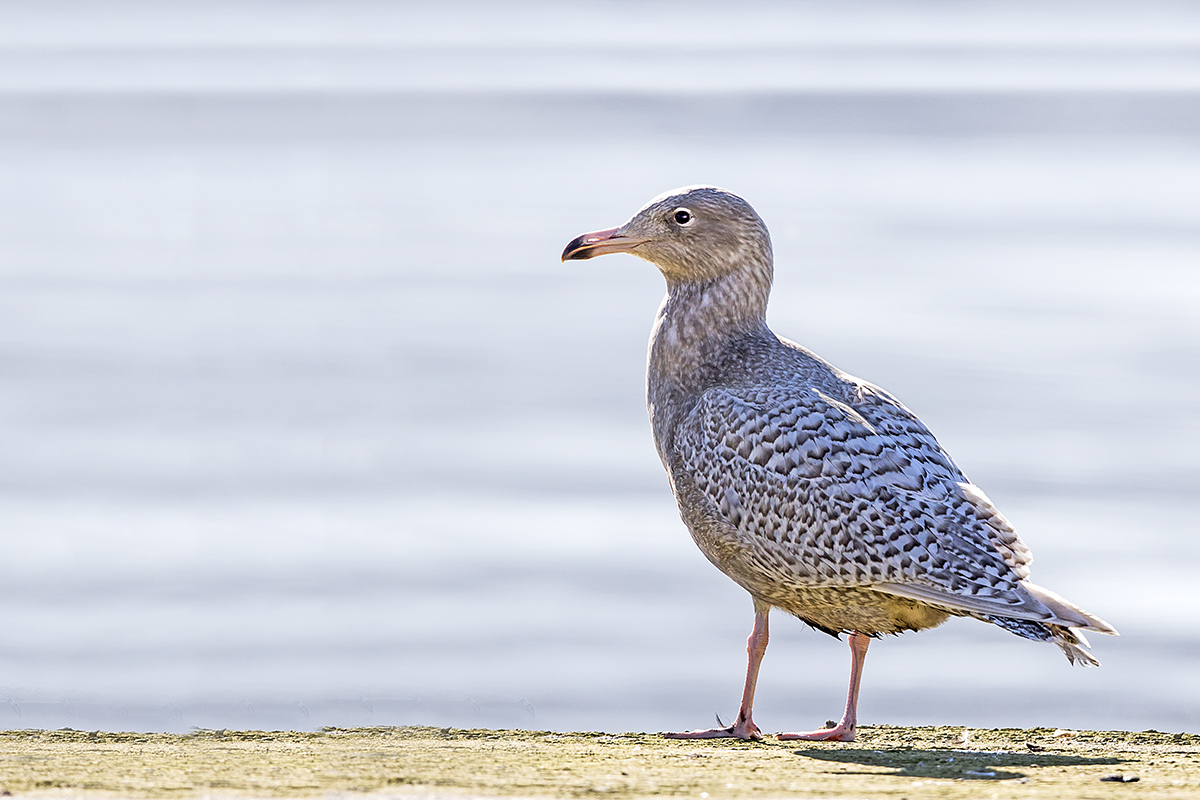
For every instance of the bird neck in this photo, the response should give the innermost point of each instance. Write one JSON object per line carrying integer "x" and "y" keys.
{"x": 696, "y": 314}
{"x": 695, "y": 326}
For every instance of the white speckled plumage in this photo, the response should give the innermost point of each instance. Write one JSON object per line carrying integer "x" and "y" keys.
{"x": 817, "y": 492}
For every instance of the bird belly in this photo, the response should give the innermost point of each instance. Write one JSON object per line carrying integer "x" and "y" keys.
{"x": 833, "y": 609}
{"x": 856, "y": 608}
{"x": 830, "y": 608}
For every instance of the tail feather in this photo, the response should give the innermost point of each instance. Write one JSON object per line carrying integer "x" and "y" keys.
{"x": 1070, "y": 640}
{"x": 1073, "y": 646}
{"x": 1066, "y": 613}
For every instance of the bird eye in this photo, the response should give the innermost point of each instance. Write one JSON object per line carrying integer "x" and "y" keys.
{"x": 683, "y": 216}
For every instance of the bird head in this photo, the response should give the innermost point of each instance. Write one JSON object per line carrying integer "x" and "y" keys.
{"x": 693, "y": 234}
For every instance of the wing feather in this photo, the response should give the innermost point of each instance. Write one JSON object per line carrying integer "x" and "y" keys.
{"x": 836, "y": 492}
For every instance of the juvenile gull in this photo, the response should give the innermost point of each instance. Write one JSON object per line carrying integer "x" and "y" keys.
{"x": 818, "y": 493}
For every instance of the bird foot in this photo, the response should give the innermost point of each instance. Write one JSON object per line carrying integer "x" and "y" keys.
{"x": 838, "y": 733}
{"x": 743, "y": 730}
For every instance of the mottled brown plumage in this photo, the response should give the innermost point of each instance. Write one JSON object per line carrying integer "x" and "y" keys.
{"x": 817, "y": 492}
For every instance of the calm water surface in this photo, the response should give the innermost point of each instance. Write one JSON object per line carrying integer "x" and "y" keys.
{"x": 305, "y": 424}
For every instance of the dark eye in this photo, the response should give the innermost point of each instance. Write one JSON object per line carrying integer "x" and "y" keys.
{"x": 683, "y": 216}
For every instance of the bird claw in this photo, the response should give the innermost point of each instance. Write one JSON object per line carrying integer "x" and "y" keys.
{"x": 746, "y": 732}
{"x": 839, "y": 733}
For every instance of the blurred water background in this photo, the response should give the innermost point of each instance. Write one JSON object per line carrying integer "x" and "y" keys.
{"x": 303, "y": 422}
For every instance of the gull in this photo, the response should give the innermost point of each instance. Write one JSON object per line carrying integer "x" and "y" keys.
{"x": 818, "y": 493}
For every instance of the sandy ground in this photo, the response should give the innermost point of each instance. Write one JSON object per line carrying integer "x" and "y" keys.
{"x": 885, "y": 762}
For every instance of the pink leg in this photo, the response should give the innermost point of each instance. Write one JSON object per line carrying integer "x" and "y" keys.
{"x": 744, "y": 728}
{"x": 844, "y": 731}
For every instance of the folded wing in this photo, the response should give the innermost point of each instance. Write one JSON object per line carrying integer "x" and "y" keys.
{"x": 858, "y": 492}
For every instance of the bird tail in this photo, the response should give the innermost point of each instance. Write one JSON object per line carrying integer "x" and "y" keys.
{"x": 1066, "y": 629}
{"x": 1074, "y": 645}
{"x": 1067, "y": 613}
{"x": 1071, "y": 640}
